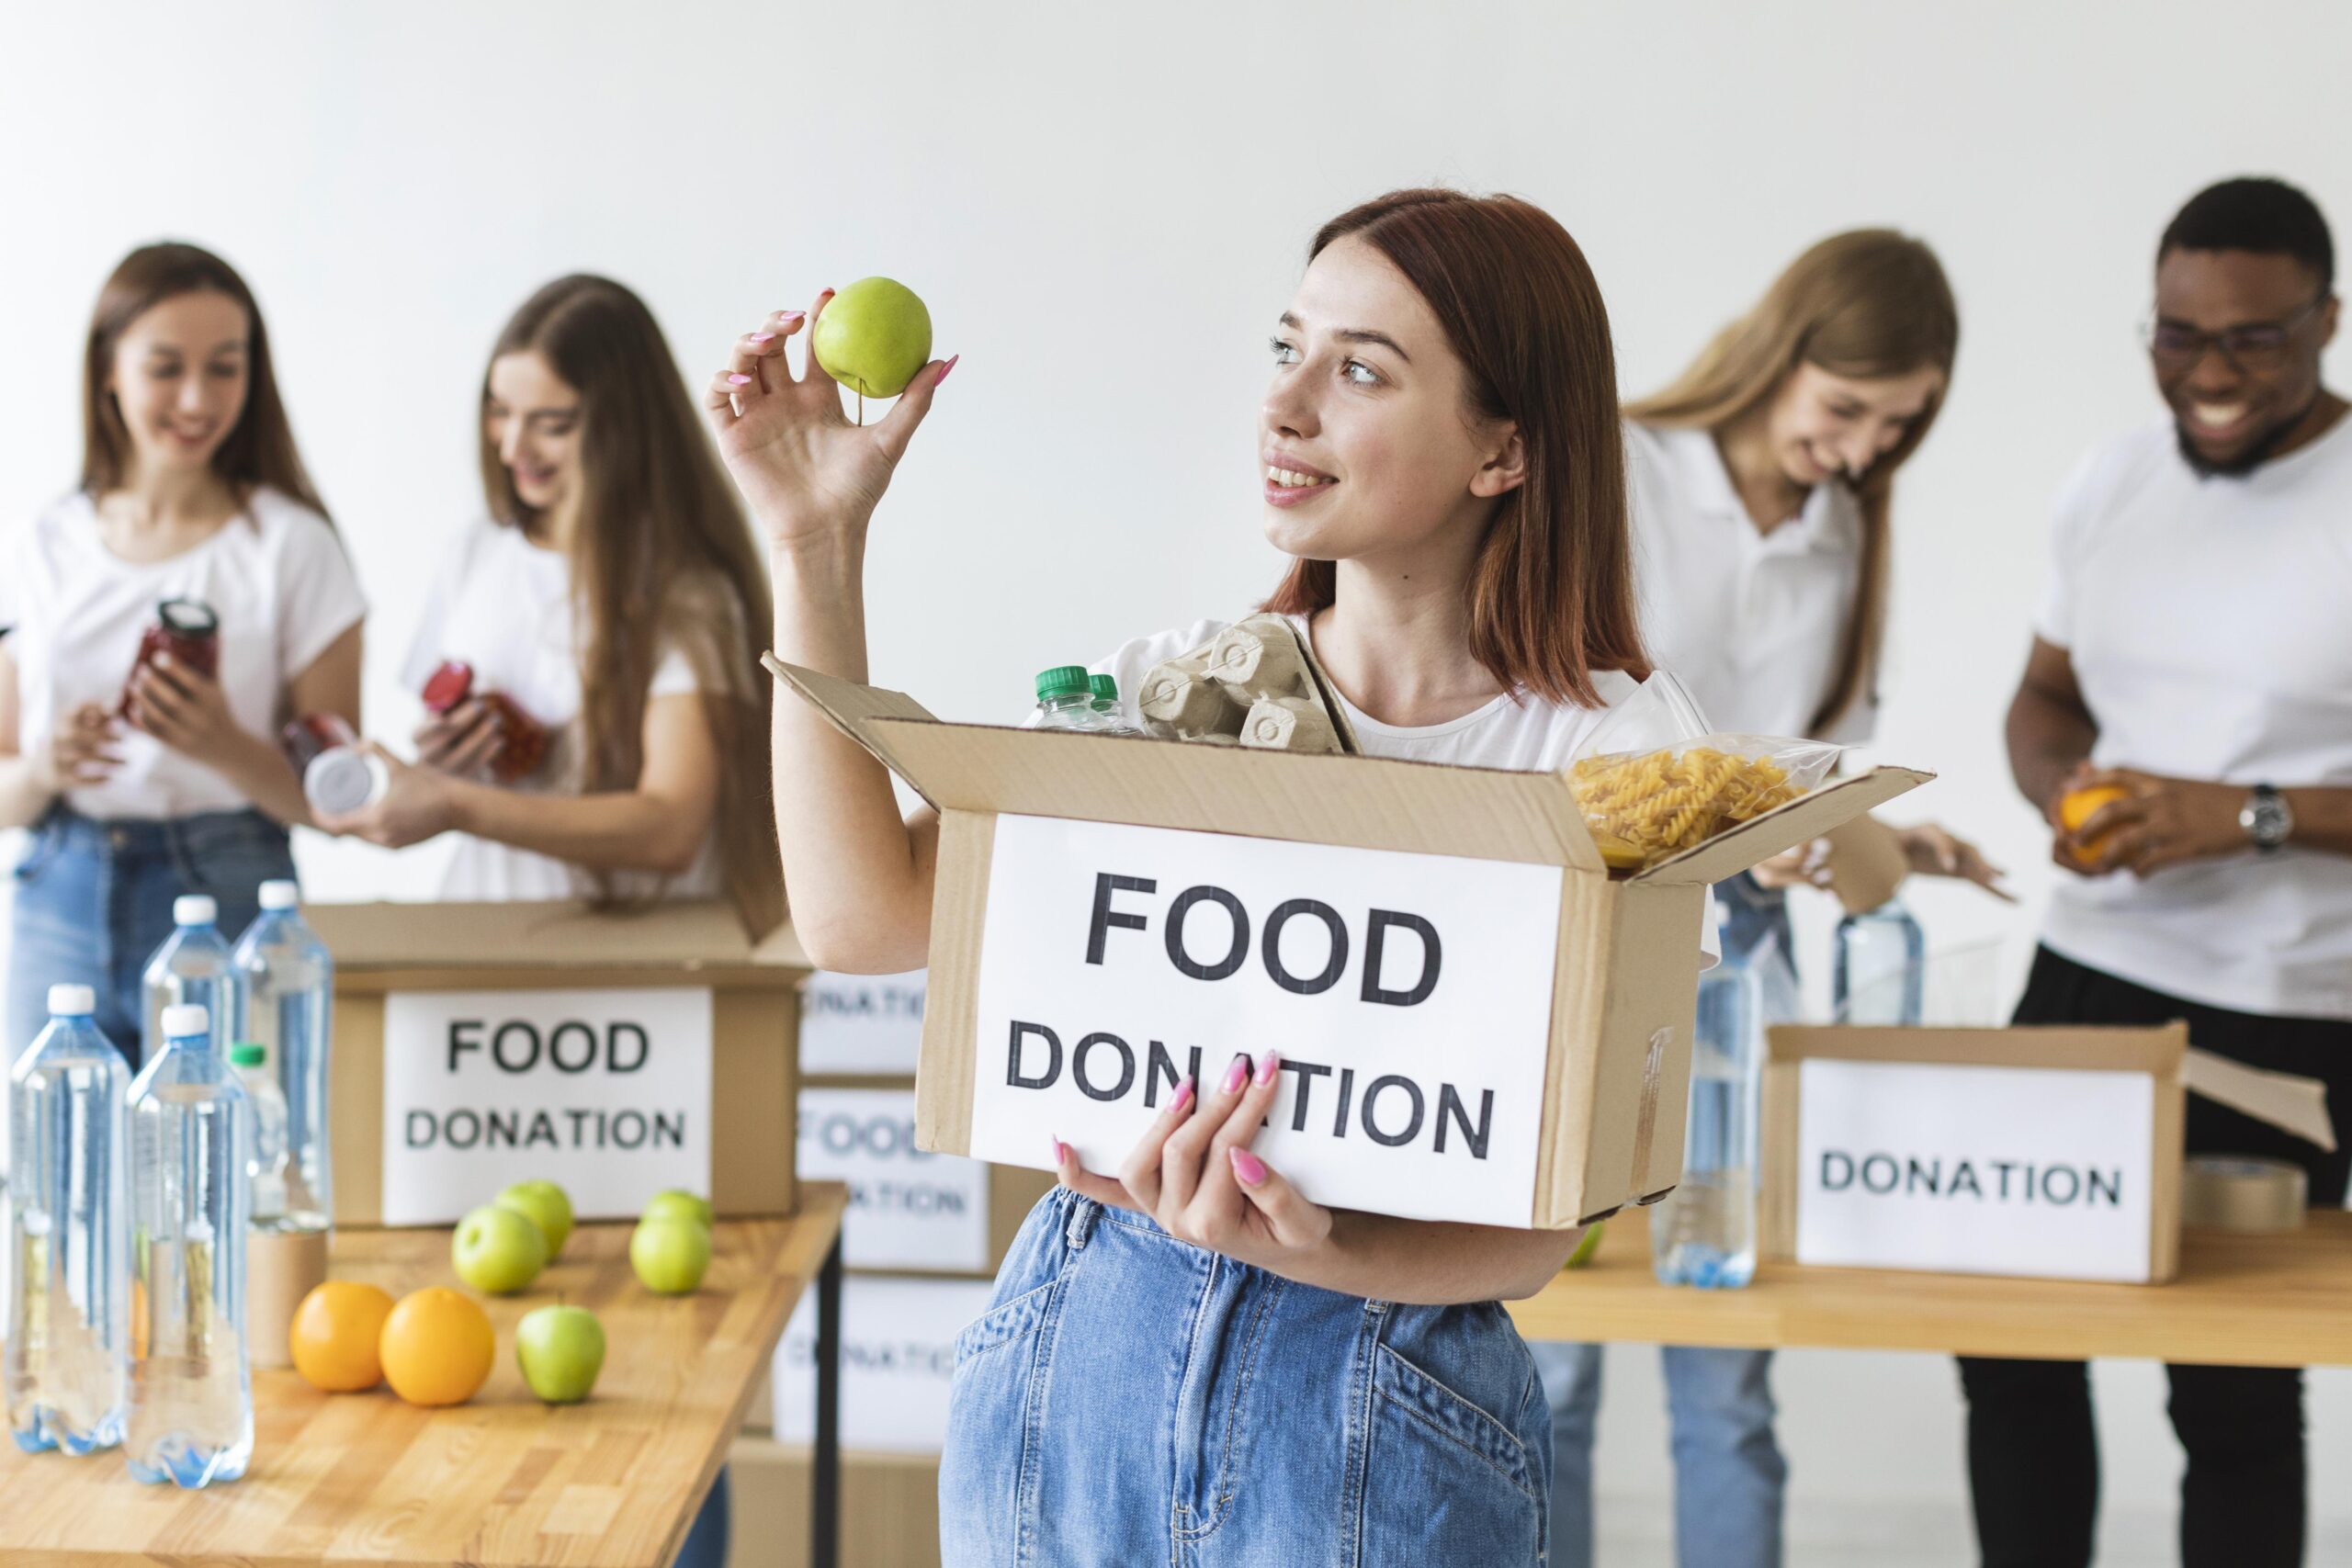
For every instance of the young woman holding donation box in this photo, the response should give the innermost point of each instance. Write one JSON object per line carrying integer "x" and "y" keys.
{"x": 1191, "y": 1359}
{"x": 1761, "y": 486}
{"x": 194, "y": 516}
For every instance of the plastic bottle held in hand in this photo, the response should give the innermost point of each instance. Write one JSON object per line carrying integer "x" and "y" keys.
{"x": 1066, "y": 700}
{"x": 1704, "y": 1232}
{"x": 285, "y": 998}
{"x": 193, "y": 968}
{"x": 189, "y": 631}
{"x": 65, "y": 1376}
{"x": 1109, "y": 712}
{"x": 191, "y": 1141}
{"x": 266, "y": 1169}
{"x": 1881, "y": 967}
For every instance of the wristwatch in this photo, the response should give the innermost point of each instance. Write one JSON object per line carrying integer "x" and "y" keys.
{"x": 2267, "y": 818}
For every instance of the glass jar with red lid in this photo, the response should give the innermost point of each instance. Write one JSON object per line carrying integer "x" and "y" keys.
{"x": 524, "y": 743}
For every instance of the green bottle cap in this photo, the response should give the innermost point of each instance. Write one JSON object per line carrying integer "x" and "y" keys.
{"x": 247, "y": 1055}
{"x": 1063, "y": 681}
{"x": 1106, "y": 688}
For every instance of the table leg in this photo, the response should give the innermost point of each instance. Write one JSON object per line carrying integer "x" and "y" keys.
{"x": 825, "y": 1470}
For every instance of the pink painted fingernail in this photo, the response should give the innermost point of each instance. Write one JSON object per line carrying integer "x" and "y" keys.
{"x": 1248, "y": 1166}
{"x": 1238, "y": 1073}
{"x": 788, "y": 316}
{"x": 764, "y": 337}
{"x": 944, "y": 369}
{"x": 1183, "y": 1096}
{"x": 1061, "y": 1152}
{"x": 738, "y": 380}
{"x": 1269, "y": 1067}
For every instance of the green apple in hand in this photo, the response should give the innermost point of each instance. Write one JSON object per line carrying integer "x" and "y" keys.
{"x": 498, "y": 1251}
{"x": 670, "y": 1254}
{"x": 678, "y": 1204}
{"x": 550, "y": 1207}
{"x": 872, "y": 337}
{"x": 560, "y": 1351}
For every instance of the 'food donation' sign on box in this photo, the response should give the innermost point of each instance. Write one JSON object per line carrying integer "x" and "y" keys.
{"x": 1477, "y": 1020}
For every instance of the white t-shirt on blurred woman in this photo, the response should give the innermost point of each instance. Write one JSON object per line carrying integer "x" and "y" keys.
{"x": 505, "y": 606}
{"x": 277, "y": 577}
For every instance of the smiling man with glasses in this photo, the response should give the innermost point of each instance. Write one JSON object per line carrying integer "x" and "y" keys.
{"x": 2194, "y": 651}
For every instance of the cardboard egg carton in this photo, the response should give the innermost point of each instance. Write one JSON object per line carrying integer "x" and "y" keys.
{"x": 1255, "y": 684}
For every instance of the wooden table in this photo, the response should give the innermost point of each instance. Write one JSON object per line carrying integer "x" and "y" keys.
{"x": 2257, "y": 1301}
{"x": 362, "y": 1478}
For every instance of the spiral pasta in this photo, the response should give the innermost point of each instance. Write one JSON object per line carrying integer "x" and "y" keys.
{"x": 1645, "y": 807}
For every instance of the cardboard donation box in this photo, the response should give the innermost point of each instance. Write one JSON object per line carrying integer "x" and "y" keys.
{"x": 2045, "y": 1152}
{"x": 1477, "y": 1020}
{"x": 619, "y": 1054}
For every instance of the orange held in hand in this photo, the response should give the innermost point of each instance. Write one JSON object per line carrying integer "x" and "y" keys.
{"x": 334, "y": 1334}
{"x": 437, "y": 1346}
{"x": 2080, "y": 806}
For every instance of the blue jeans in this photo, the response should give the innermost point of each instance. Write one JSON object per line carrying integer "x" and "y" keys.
{"x": 1131, "y": 1399}
{"x": 705, "y": 1543}
{"x": 94, "y": 902}
{"x": 1729, "y": 1478}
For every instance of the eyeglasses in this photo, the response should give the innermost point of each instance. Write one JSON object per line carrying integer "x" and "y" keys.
{"x": 2257, "y": 347}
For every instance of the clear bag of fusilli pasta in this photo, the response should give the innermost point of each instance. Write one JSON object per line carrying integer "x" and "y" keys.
{"x": 1655, "y": 780}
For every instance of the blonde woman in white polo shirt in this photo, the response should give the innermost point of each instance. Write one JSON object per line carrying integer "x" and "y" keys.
{"x": 1761, "y": 483}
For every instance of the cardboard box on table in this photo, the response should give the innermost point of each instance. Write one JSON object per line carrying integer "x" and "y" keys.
{"x": 890, "y": 1508}
{"x": 2043, "y": 1152}
{"x": 621, "y": 1054}
{"x": 1519, "y": 1020}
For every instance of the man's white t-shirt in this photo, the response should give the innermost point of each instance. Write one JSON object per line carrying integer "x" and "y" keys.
{"x": 505, "y": 606}
{"x": 1751, "y": 623}
{"x": 1518, "y": 731}
{"x": 275, "y": 575}
{"x": 2209, "y": 621}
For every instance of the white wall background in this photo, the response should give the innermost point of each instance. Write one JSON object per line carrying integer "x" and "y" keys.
{"x": 1105, "y": 208}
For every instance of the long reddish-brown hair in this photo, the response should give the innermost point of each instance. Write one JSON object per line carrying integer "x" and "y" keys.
{"x": 259, "y": 450}
{"x": 1551, "y": 592}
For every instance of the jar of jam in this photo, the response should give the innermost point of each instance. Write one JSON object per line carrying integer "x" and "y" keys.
{"x": 189, "y": 631}
{"x": 338, "y": 776}
{"x": 523, "y": 745}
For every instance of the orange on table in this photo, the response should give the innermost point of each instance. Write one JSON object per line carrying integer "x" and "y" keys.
{"x": 336, "y": 1336}
{"x": 437, "y": 1346}
{"x": 2079, "y": 805}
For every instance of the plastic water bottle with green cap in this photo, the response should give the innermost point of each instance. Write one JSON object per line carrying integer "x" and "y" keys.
{"x": 1066, "y": 700}
{"x": 65, "y": 1377}
{"x": 267, "y": 1166}
{"x": 286, "y": 995}
{"x": 1109, "y": 712}
{"x": 194, "y": 968}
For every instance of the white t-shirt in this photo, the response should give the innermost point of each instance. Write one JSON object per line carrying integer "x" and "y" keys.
{"x": 1752, "y": 622}
{"x": 1519, "y": 731}
{"x": 275, "y": 575}
{"x": 2209, "y": 625}
{"x": 504, "y": 605}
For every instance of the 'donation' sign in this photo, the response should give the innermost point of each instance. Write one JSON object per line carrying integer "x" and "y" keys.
{"x": 1409, "y": 995}
{"x": 606, "y": 1091}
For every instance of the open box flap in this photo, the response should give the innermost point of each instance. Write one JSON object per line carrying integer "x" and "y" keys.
{"x": 852, "y": 708}
{"x": 1806, "y": 818}
{"x": 2291, "y": 1103}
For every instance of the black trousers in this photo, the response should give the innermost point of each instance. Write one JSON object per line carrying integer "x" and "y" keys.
{"x": 2032, "y": 1452}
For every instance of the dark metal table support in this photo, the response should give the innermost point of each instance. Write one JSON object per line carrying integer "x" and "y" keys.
{"x": 825, "y": 1470}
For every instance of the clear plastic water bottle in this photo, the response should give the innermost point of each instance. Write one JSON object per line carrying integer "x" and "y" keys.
{"x": 66, "y": 1375}
{"x": 191, "y": 1139}
{"x": 193, "y": 968}
{"x": 1066, "y": 700}
{"x": 1704, "y": 1232}
{"x": 1109, "y": 712}
{"x": 285, "y": 997}
{"x": 1882, "y": 969}
{"x": 266, "y": 1169}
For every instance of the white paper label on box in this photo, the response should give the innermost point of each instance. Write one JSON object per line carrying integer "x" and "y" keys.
{"x": 607, "y": 1092}
{"x": 908, "y": 1208}
{"x": 898, "y": 1359}
{"x": 1409, "y": 997}
{"x": 1974, "y": 1170}
{"x": 860, "y": 1023}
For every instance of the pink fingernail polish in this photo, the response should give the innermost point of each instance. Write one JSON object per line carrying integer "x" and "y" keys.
{"x": 1269, "y": 1067}
{"x": 788, "y": 316}
{"x": 739, "y": 380}
{"x": 1238, "y": 1073}
{"x": 1059, "y": 1152}
{"x": 1248, "y": 1166}
{"x": 944, "y": 369}
{"x": 764, "y": 337}
{"x": 1183, "y": 1096}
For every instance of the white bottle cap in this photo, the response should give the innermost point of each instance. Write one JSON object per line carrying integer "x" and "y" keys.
{"x": 344, "y": 779}
{"x": 194, "y": 910}
{"x": 280, "y": 895}
{"x": 71, "y": 1001}
{"x": 181, "y": 1021}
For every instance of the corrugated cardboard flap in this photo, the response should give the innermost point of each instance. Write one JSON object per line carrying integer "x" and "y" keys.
{"x": 852, "y": 708}
{"x": 1806, "y": 818}
{"x": 2293, "y": 1104}
{"x": 2156, "y": 1050}
{"x": 695, "y": 935}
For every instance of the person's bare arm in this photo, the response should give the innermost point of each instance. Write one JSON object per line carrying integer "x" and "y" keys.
{"x": 27, "y": 784}
{"x": 2051, "y": 729}
{"x": 188, "y": 712}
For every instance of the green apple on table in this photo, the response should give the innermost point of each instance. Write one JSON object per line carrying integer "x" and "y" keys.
{"x": 670, "y": 1253}
{"x": 679, "y": 1203}
{"x": 498, "y": 1251}
{"x": 873, "y": 336}
{"x": 560, "y": 1349}
{"x": 550, "y": 1207}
